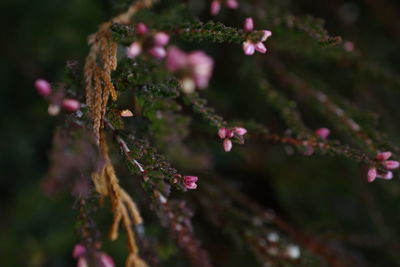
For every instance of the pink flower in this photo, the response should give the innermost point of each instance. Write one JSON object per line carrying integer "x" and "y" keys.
{"x": 134, "y": 50}
{"x": 141, "y": 28}
{"x": 371, "y": 175}
{"x": 228, "y": 134}
{"x": 158, "y": 52}
{"x": 80, "y": 253}
{"x": 322, "y": 133}
{"x": 348, "y": 46}
{"x": 227, "y": 145}
{"x": 215, "y": 7}
{"x": 383, "y": 155}
{"x": 387, "y": 176}
{"x": 161, "y": 39}
{"x": 70, "y": 104}
{"x": 250, "y": 46}
{"x": 190, "y": 182}
{"x": 240, "y": 130}
{"x": 43, "y": 87}
{"x": 196, "y": 68}
{"x": 248, "y": 25}
{"x": 391, "y": 164}
{"x": 233, "y": 4}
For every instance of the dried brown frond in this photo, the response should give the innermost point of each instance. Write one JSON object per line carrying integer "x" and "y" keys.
{"x": 100, "y": 62}
{"x": 123, "y": 206}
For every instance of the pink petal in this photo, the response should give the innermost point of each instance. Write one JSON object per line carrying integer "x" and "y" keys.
{"x": 70, "y": 104}
{"x": 240, "y": 130}
{"x": 133, "y": 50}
{"x": 391, "y": 164}
{"x": 141, "y": 28}
{"x": 161, "y": 39}
{"x": 266, "y": 35}
{"x": 383, "y": 155}
{"x": 106, "y": 260}
{"x": 222, "y": 133}
{"x": 233, "y": 4}
{"x": 43, "y": 87}
{"x": 386, "y": 176}
{"x": 190, "y": 182}
{"x": 215, "y": 7}
{"x": 372, "y": 174}
{"x": 79, "y": 251}
{"x": 248, "y": 48}
{"x": 260, "y": 47}
{"x": 322, "y": 133}
{"x": 248, "y": 25}
{"x": 82, "y": 262}
{"x": 227, "y": 145}
{"x": 176, "y": 59}
{"x": 158, "y": 52}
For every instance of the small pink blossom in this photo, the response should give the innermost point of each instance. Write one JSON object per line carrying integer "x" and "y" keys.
{"x": 227, "y": 145}
{"x": 161, "y": 39}
{"x": 232, "y": 4}
{"x": 133, "y": 50}
{"x": 80, "y": 253}
{"x": 371, "y": 175}
{"x": 250, "y": 46}
{"x": 190, "y": 182}
{"x": 248, "y": 25}
{"x": 222, "y": 133}
{"x": 158, "y": 52}
{"x": 215, "y": 7}
{"x": 79, "y": 250}
{"x": 141, "y": 28}
{"x": 322, "y": 133}
{"x": 70, "y": 104}
{"x": 391, "y": 164}
{"x": 383, "y": 155}
{"x": 348, "y": 46}
{"x": 387, "y": 176}
{"x": 43, "y": 87}
{"x": 240, "y": 130}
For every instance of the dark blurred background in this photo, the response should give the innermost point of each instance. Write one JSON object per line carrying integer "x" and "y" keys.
{"x": 38, "y": 37}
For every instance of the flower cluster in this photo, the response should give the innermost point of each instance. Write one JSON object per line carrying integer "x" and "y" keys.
{"x": 57, "y": 99}
{"x": 194, "y": 69}
{"x": 228, "y": 134}
{"x": 81, "y": 254}
{"x": 216, "y": 5}
{"x": 249, "y": 46}
{"x": 153, "y": 43}
{"x": 383, "y": 157}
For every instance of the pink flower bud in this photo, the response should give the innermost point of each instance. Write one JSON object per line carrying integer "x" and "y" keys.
{"x": 158, "y": 52}
{"x": 386, "y": 176}
{"x": 233, "y": 4}
{"x": 43, "y": 87}
{"x": 190, "y": 182}
{"x": 240, "y": 130}
{"x": 248, "y": 25}
{"x": 227, "y": 145}
{"x": 70, "y": 104}
{"x": 383, "y": 155}
{"x": 391, "y": 164}
{"x": 79, "y": 251}
{"x": 222, "y": 133}
{"x": 133, "y": 50}
{"x": 215, "y": 7}
{"x": 106, "y": 260}
{"x": 229, "y": 133}
{"x": 248, "y": 48}
{"x": 371, "y": 175}
{"x": 260, "y": 47}
{"x": 266, "y": 35}
{"x": 322, "y": 133}
{"x": 176, "y": 59}
{"x": 161, "y": 39}
{"x": 141, "y": 28}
